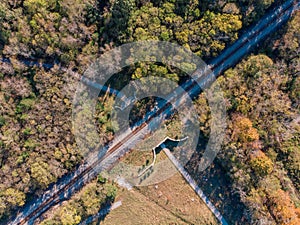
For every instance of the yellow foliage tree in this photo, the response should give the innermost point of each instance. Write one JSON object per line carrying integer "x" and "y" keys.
{"x": 14, "y": 197}
{"x": 261, "y": 163}
{"x": 40, "y": 172}
{"x": 69, "y": 215}
{"x": 244, "y": 130}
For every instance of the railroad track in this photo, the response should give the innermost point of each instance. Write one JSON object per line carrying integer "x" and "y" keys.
{"x": 226, "y": 59}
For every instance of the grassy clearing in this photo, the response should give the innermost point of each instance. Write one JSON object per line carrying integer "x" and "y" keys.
{"x": 169, "y": 202}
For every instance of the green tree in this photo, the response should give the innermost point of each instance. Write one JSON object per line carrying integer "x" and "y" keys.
{"x": 34, "y": 6}
{"x": 41, "y": 173}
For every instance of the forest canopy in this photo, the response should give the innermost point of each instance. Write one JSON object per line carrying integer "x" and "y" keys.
{"x": 260, "y": 154}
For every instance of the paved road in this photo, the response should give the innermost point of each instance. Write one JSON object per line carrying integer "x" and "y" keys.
{"x": 65, "y": 187}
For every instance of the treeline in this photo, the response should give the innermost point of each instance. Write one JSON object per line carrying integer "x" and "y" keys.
{"x": 261, "y": 150}
{"x": 36, "y": 142}
{"x": 96, "y": 195}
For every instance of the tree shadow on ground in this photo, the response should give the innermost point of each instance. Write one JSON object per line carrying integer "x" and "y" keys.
{"x": 217, "y": 186}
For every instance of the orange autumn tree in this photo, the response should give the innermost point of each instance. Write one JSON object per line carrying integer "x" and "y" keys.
{"x": 283, "y": 209}
{"x": 244, "y": 130}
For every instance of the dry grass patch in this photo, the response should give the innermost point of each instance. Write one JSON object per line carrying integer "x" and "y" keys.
{"x": 169, "y": 202}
